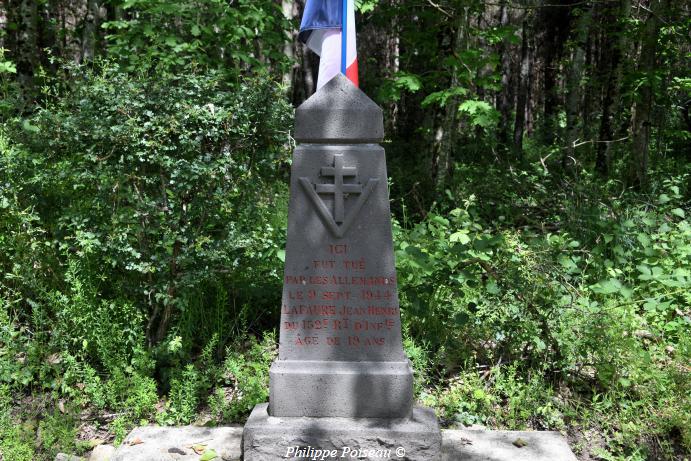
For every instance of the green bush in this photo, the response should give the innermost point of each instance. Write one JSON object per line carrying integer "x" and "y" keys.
{"x": 244, "y": 380}
{"x": 535, "y": 327}
{"x": 187, "y": 166}
{"x": 15, "y": 444}
{"x": 137, "y": 227}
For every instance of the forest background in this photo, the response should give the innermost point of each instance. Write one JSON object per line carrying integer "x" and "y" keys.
{"x": 539, "y": 159}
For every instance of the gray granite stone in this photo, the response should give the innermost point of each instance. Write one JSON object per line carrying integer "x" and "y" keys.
{"x": 340, "y": 348}
{"x": 66, "y": 457}
{"x": 153, "y": 443}
{"x": 340, "y": 297}
{"x": 266, "y": 433}
{"x": 269, "y": 438}
{"x": 341, "y": 380}
{"x": 485, "y": 445}
{"x": 339, "y": 112}
{"x": 351, "y": 389}
{"x": 102, "y": 453}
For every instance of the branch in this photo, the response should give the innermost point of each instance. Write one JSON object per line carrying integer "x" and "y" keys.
{"x": 593, "y": 141}
{"x": 448, "y": 15}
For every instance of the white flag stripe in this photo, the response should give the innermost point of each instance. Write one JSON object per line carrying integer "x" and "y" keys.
{"x": 327, "y": 44}
{"x": 351, "y": 53}
{"x": 330, "y": 56}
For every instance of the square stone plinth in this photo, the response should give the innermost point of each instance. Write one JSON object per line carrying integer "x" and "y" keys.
{"x": 269, "y": 438}
{"x": 325, "y": 389}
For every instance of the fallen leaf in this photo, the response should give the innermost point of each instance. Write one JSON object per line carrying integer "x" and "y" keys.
{"x": 520, "y": 443}
{"x": 135, "y": 441}
{"x": 198, "y": 448}
{"x": 54, "y": 359}
{"x": 208, "y": 455}
{"x": 61, "y": 407}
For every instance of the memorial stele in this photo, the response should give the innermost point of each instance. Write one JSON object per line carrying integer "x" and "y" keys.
{"x": 342, "y": 387}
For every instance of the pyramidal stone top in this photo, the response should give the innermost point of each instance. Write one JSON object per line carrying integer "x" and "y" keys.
{"x": 339, "y": 113}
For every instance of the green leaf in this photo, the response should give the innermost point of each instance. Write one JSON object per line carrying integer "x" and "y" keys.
{"x": 410, "y": 82}
{"x": 461, "y": 236}
{"x": 7, "y": 67}
{"x": 461, "y": 318}
{"x": 643, "y": 239}
{"x": 607, "y": 287}
{"x": 208, "y": 455}
{"x": 441, "y": 97}
{"x": 492, "y": 288}
{"x": 481, "y": 113}
{"x": 365, "y": 6}
{"x": 29, "y": 127}
{"x": 679, "y": 212}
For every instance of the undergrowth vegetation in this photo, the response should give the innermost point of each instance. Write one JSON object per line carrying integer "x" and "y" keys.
{"x": 578, "y": 324}
{"x": 142, "y": 228}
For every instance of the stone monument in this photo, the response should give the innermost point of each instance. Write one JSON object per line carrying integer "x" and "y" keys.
{"x": 342, "y": 386}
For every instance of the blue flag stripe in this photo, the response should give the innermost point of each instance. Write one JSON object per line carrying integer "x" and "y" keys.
{"x": 344, "y": 37}
{"x": 320, "y": 14}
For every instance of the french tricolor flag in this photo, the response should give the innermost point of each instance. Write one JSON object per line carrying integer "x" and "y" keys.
{"x": 323, "y": 30}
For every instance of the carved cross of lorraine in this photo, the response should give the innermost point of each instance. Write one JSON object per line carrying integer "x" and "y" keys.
{"x": 339, "y": 171}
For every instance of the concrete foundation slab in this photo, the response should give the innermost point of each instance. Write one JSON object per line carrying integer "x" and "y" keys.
{"x": 484, "y": 445}
{"x": 153, "y": 443}
{"x": 457, "y": 445}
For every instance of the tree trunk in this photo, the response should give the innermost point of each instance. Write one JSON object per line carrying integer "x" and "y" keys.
{"x": 505, "y": 94}
{"x": 446, "y": 132}
{"x": 573, "y": 87}
{"x": 89, "y": 38}
{"x": 522, "y": 94}
{"x": 612, "y": 64}
{"x": 393, "y": 50}
{"x": 637, "y": 176}
{"x": 555, "y": 22}
{"x": 290, "y": 12}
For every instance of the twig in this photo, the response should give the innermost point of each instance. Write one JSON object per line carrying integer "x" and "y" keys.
{"x": 542, "y": 160}
{"x": 448, "y": 15}
{"x": 593, "y": 141}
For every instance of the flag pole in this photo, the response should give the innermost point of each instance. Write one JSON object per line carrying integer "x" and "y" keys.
{"x": 344, "y": 38}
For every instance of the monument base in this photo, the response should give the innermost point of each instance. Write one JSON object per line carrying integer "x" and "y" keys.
{"x": 323, "y": 389}
{"x": 270, "y": 438}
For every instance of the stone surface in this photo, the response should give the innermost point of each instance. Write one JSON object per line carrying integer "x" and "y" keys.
{"x": 484, "y": 445}
{"x": 152, "y": 443}
{"x": 339, "y": 112}
{"x": 340, "y": 298}
{"x": 340, "y": 276}
{"x": 65, "y": 457}
{"x": 102, "y": 453}
{"x": 269, "y": 438}
{"x": 351, "y": 389}
{"x": 457, "y": 445}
